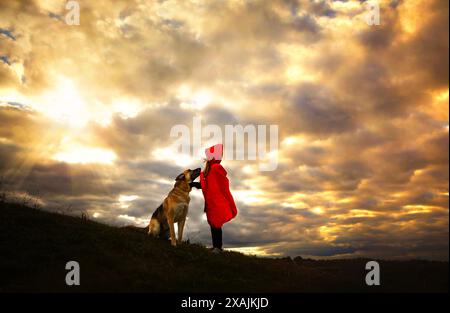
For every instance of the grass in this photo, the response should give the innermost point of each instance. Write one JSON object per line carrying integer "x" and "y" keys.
{"x": 35, "y": 245}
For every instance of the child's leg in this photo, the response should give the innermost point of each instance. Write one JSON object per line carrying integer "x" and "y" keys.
{"x": 213, "y": 236}
{"x": 216, "y": 234}
{"x": 219, "y": 238}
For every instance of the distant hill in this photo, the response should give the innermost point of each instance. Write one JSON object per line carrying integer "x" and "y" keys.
{"x": 35, "y": 246}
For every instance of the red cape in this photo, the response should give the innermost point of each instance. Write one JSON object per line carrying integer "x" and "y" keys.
{"x": 219, "y": 203}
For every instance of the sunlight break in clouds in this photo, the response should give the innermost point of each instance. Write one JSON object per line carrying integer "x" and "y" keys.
{"x": 84, "y": 155}
{"x": 64, "y": 104}
{"x": 86, "y": 113}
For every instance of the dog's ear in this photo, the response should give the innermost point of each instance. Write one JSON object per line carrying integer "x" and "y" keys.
{"x": 180, "y": 177}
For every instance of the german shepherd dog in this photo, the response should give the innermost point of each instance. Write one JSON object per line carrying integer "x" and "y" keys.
{"x": 174, "y": 209}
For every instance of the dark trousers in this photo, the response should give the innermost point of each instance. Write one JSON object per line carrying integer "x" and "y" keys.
{"x": 216, "y": 234}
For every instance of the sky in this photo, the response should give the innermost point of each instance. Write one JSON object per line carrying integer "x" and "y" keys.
{"x": 362, "y": 111}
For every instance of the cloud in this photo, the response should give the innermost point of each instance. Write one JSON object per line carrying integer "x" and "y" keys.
{"x": 314, "y": 110}
{"x": 8, "y": 34}
{"x": 5, "y": 60}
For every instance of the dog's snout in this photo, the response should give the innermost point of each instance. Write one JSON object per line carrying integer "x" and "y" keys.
{"x": 195, "y": 173}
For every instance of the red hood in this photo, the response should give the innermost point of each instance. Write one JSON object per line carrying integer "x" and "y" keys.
{"x": 215, "y": 152}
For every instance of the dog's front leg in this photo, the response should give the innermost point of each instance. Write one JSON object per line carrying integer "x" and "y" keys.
{"x": 173, "y": 240}
{"x": 180, "y": 230}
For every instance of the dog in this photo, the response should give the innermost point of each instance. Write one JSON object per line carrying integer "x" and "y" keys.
{"x": 174, "y": 209}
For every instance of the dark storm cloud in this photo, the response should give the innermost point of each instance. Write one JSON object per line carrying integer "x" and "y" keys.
{"x": 306, "y": 23}
{"x": 315, "y": 110}
{"x": 8, "y": 153}
{"x": 133, "y": 137}
{"x": 7, "y": 33}
{"x": 5, "y": 59}
{"x": 322, "y": 251}
{"x": 55, "y": 16}
{"x": 158, "y": 167}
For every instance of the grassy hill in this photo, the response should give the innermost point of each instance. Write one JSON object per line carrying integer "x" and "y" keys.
{"x": 35, "y": 246}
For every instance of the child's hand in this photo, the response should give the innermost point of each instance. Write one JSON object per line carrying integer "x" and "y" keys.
{"x": 196, "y": 185}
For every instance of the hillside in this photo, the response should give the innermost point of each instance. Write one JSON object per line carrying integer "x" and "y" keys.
{"x": 35, "y": 246}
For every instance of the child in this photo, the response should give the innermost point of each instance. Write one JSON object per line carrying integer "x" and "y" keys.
{"x": 219, "y": 203}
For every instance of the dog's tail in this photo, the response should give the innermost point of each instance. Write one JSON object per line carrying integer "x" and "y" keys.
{"x": 154, "y": 226}
{"x": 159, "y": 210}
